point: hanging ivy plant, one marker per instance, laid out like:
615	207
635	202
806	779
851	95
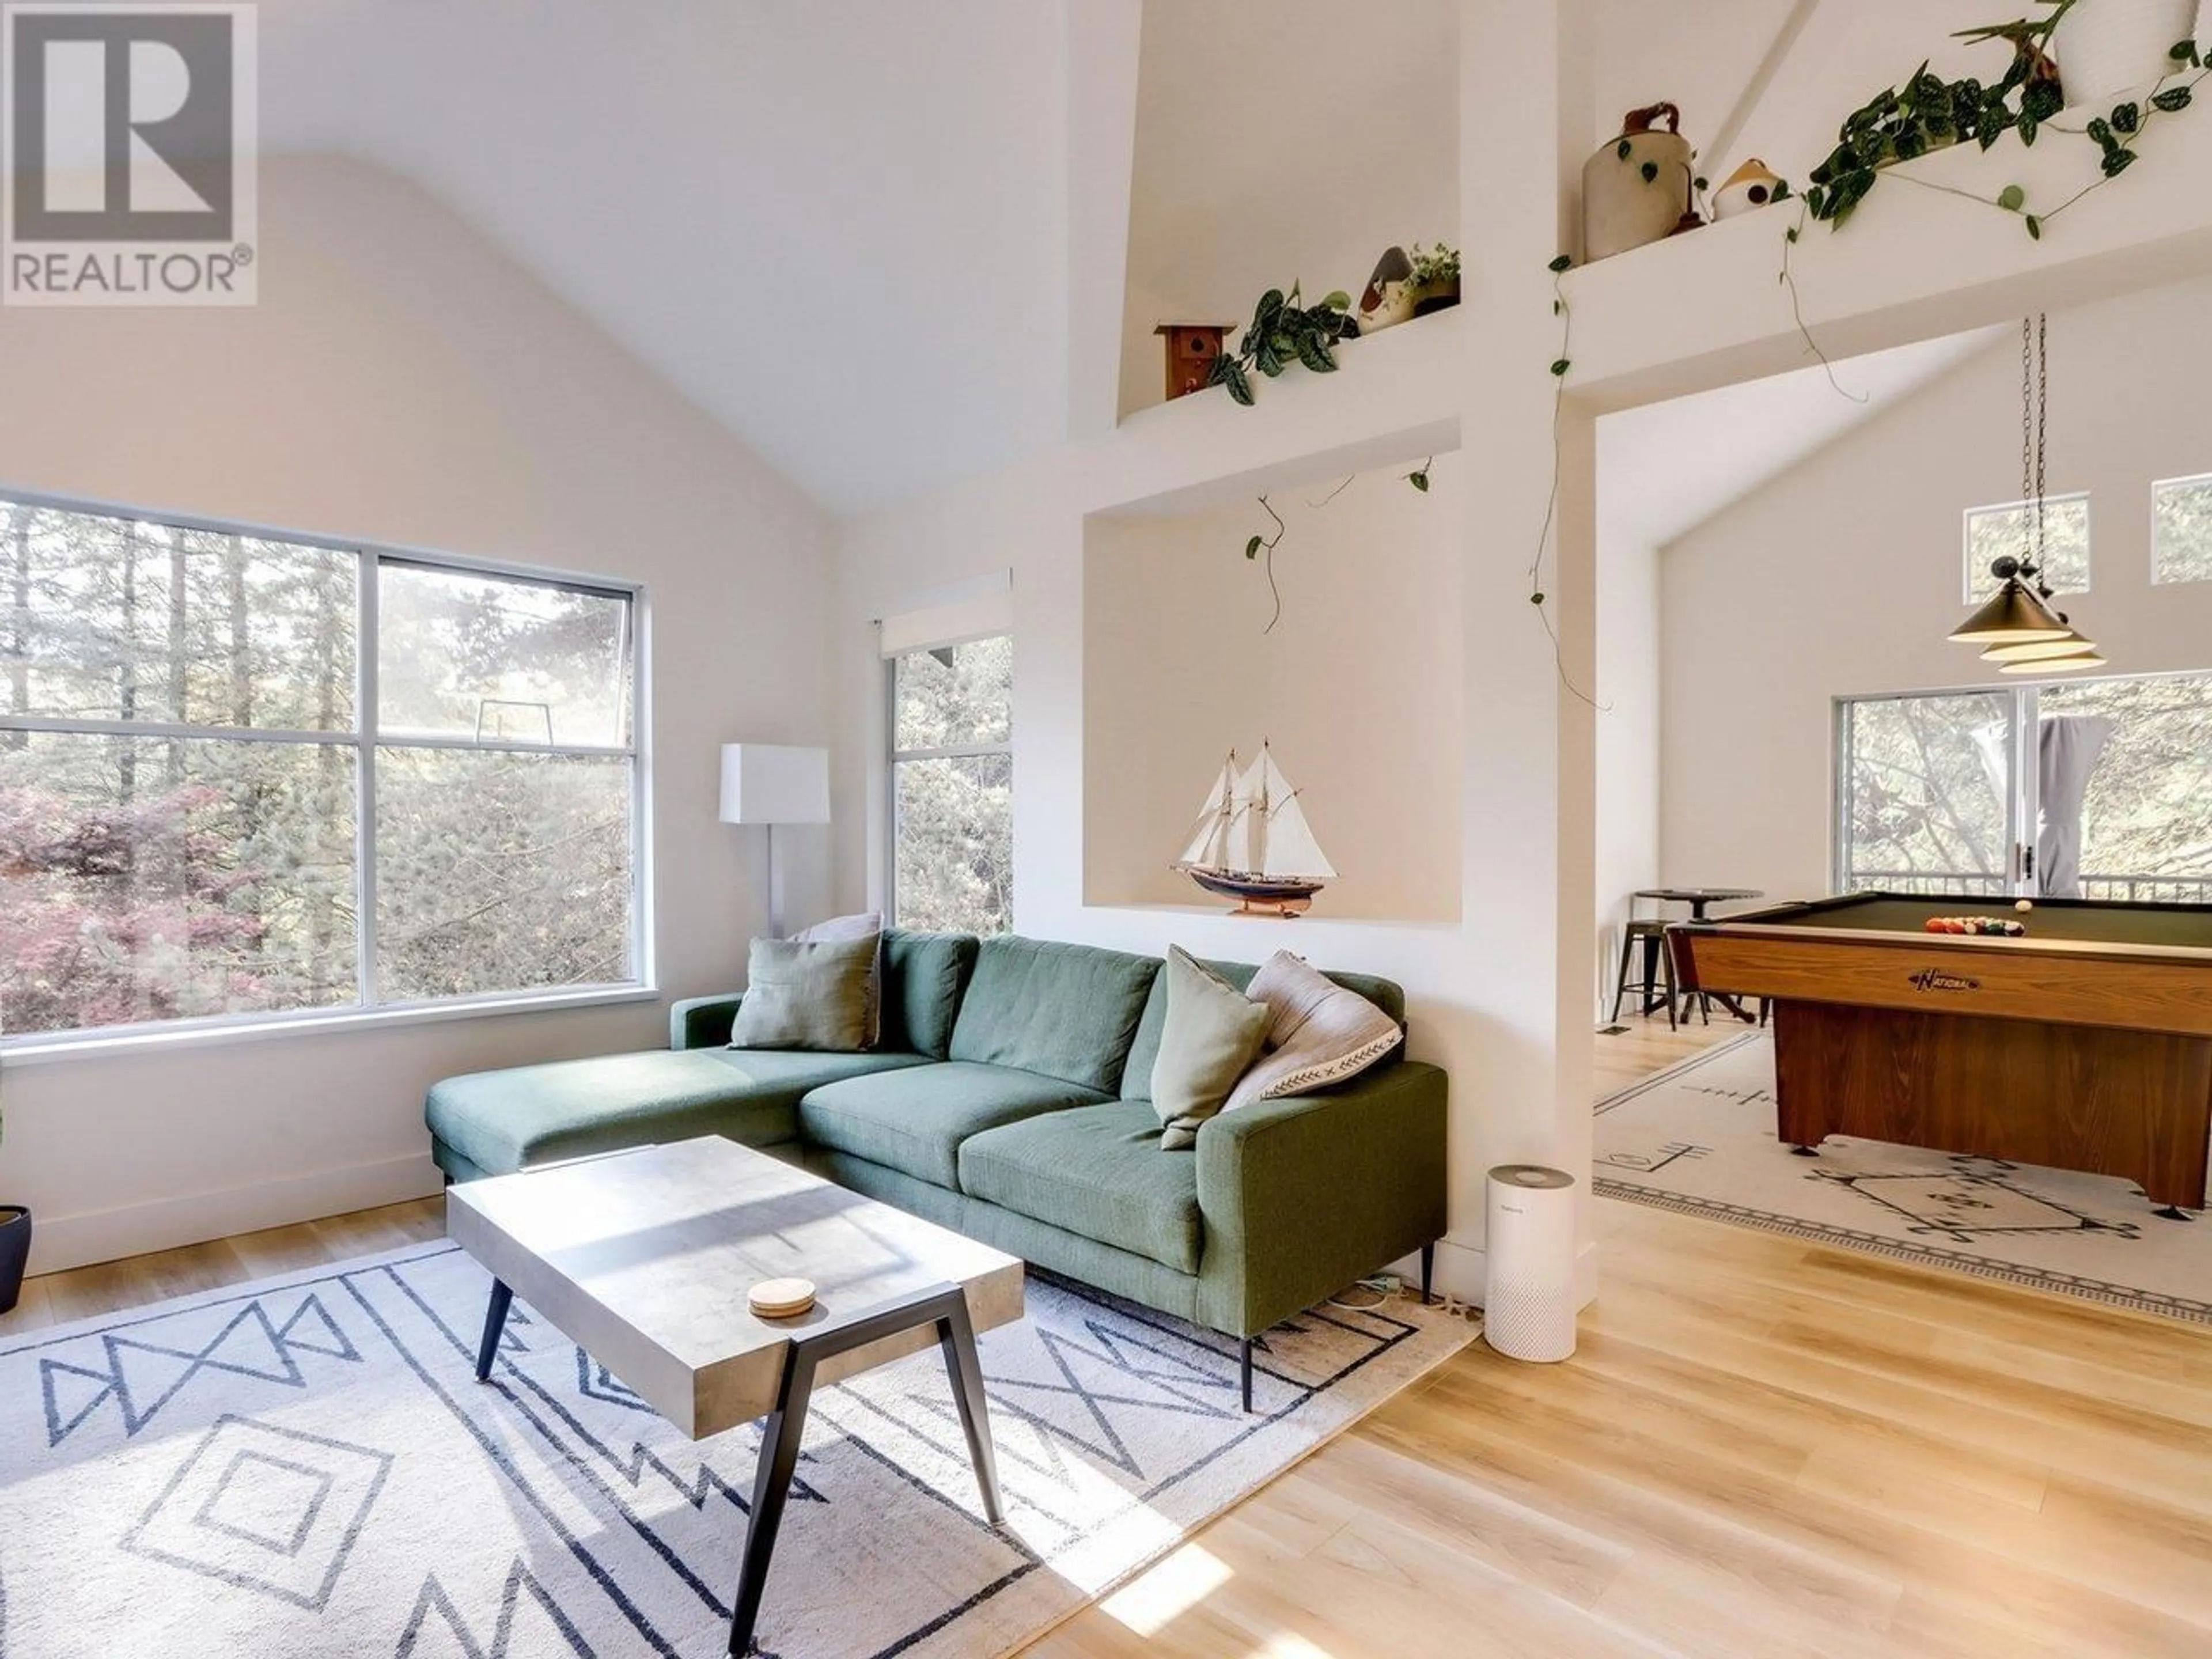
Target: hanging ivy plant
1284	332
1928	113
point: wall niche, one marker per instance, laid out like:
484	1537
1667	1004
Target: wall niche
1357	686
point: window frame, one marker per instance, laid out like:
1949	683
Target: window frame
2156	485
895	757
1970	572
364	739
2021	802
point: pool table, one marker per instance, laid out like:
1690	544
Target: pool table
2085	1045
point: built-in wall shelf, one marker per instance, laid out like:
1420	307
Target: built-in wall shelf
1395	394
1915	260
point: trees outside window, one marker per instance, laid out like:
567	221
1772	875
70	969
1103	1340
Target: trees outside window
2181	530
951	787
215	804
2008	530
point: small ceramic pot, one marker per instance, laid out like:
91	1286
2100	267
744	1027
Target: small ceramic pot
1751	185
2106	49
1435	296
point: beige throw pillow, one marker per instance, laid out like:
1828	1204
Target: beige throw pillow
1318	1033
1211	1033
805	995
865	924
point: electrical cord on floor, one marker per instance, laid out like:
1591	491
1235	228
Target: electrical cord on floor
1387	1288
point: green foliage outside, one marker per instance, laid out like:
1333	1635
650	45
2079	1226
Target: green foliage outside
170	876
952	813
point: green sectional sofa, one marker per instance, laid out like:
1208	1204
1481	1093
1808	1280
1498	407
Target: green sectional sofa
1007	1099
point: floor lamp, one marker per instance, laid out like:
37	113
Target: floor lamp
773	784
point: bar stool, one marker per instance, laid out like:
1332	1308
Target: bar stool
1646	935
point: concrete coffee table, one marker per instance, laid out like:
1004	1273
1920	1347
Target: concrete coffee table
643	1259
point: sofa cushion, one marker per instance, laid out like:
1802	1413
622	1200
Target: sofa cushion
1066	1011
1213	1031
1095	1170
923	976
914	1121
498	1121
818	994
1144	1048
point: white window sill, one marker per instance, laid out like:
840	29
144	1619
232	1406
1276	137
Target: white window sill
49	1048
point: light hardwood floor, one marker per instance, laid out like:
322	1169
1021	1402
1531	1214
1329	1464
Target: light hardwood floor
1762	1448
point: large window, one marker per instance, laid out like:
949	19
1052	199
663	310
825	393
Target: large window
241	775
2081	788
952	786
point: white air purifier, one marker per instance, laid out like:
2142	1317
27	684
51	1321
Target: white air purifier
1528	1306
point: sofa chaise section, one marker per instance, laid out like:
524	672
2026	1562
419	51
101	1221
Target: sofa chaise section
495	1122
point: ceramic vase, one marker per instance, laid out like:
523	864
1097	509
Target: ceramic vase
2106	49
1637	188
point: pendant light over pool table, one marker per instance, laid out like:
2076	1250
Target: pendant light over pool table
2023	633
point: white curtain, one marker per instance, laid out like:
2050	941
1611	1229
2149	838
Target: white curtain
2068	748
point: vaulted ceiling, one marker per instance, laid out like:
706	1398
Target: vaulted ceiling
841	227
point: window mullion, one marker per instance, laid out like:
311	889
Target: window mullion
365	725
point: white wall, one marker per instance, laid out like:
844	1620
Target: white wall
402	383
1357	687
1249	174
1628	718
1843	576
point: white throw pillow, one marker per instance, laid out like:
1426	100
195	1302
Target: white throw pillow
1318	1033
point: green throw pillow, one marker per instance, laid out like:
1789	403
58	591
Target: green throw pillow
809	994
1213	1032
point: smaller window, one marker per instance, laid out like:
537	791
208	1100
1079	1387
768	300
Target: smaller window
2181	530
952	779
2007	530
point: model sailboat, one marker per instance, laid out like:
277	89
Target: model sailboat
1251	843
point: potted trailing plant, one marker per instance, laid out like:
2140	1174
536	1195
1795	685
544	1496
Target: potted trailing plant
1284	332
1436	278
2108	48
15	1248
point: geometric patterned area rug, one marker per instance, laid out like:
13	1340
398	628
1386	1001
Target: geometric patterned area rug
1699	1138
306	1466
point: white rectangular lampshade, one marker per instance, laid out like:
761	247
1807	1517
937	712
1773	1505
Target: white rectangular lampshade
775	783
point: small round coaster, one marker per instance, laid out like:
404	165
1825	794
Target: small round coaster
780	1298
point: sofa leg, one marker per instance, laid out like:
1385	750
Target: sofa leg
1244	1370
1428	1268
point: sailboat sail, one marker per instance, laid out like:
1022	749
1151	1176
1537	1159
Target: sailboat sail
1252	826
1209	843
1291	851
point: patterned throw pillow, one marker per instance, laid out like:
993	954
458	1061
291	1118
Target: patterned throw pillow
1318	1033
1211	1033
808	995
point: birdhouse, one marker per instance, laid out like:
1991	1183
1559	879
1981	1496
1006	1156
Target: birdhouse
1191	349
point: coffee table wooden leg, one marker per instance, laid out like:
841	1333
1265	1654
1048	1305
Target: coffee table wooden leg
502	1298
955	1335
780	1432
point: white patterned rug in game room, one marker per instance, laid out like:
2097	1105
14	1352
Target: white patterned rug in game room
307	1467
1699	1138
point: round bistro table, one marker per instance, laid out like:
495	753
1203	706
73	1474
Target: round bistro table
1700	901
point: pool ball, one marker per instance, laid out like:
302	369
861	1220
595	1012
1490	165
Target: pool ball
2025	904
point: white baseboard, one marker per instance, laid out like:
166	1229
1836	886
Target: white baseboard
1462	1270
75	1241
